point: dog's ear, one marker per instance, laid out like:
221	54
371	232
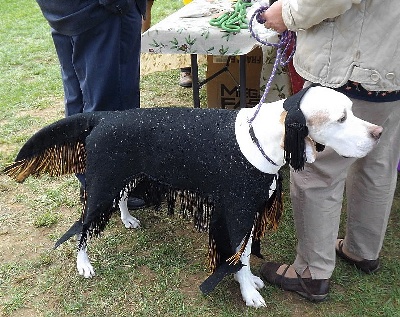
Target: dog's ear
295	143
311	147
295	131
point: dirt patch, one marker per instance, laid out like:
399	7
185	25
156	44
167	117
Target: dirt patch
22	242
19	238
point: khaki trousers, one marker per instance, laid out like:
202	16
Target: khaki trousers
369	183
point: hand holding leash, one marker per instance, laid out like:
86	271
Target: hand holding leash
273	18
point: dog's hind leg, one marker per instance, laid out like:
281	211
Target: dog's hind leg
83	264
249	283
128	220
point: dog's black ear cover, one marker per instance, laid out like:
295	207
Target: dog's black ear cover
295	131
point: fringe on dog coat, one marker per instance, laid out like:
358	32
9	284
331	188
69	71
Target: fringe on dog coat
189	156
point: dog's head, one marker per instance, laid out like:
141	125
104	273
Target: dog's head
321	115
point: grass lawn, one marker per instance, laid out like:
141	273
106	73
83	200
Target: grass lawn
154	271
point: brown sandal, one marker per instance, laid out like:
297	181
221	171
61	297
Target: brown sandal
367	266
313	290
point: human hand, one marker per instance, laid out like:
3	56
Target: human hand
273	17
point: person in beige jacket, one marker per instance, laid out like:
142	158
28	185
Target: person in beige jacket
351	46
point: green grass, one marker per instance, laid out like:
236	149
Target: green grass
154	271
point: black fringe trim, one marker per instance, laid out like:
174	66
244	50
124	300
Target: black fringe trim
193	206
190	204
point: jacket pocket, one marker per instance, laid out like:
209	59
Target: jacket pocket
119	7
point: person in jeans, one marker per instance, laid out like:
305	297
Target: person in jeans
98	47
350	46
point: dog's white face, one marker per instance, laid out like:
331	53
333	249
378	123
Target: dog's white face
331	122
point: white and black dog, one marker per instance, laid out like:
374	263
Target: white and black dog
220	166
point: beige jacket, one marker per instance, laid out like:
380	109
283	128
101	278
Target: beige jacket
341	40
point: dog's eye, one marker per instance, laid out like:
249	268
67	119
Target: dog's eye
343	118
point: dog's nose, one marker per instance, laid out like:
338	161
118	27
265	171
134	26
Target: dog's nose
376	132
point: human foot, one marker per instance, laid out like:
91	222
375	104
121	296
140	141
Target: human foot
367	266
279	274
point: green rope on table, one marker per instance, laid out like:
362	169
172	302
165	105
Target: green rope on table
233	21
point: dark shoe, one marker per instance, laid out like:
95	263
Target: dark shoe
185	78
82	195
135	203
313	290
367	266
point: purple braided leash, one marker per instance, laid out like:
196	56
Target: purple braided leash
287	38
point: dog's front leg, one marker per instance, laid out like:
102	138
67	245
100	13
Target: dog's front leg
128	220
249	283
83	264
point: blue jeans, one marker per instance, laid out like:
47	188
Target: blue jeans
100	67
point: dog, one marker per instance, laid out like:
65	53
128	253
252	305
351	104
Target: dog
220	166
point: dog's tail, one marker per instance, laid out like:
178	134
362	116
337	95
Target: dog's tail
56	150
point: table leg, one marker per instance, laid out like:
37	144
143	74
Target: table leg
242	80
195	80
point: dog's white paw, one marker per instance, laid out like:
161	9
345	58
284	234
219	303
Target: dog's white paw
257	282
249	286
253	298
130	222
83	264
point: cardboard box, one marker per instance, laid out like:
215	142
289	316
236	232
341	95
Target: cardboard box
223	90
